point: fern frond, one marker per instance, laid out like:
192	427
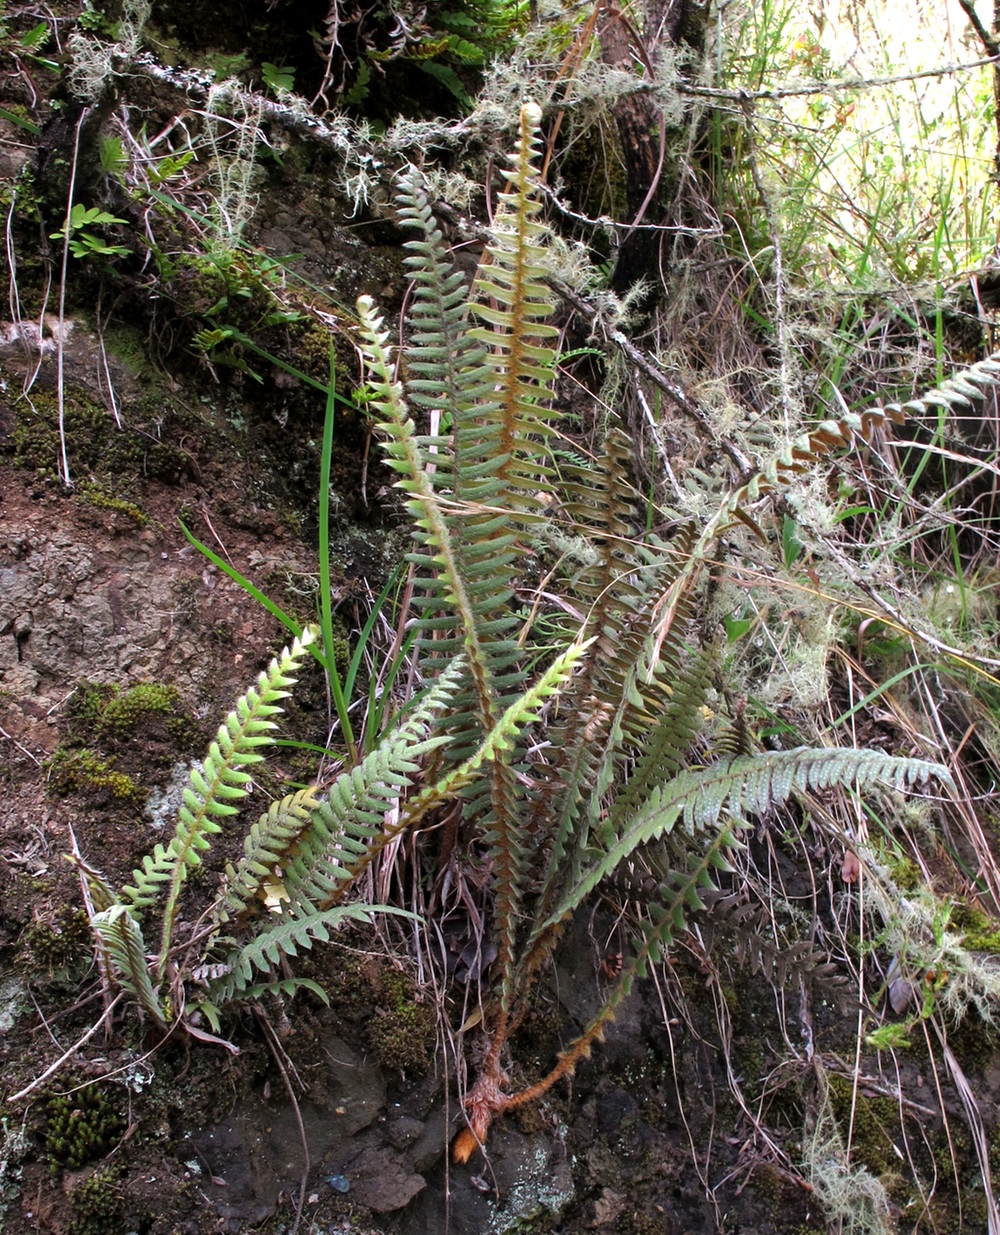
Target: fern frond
265	846
346	829
286	936
441	352
667	743
422	504
121	937
736	788
308	850
215	788
509	295
962	389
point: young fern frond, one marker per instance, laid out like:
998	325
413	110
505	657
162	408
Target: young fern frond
519	715
214	790
348	825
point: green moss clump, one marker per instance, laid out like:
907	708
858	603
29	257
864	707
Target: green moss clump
97	1205
82	1126
905	872
124	712
980	932
876	1121
82	771
94	495
144	727
94	443
401	1032
60	941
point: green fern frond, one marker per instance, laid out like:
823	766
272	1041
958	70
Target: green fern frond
735	788
266	844
285	936
348	827
511	298
404	457
308	850
215	788
122	939
441	352
667	746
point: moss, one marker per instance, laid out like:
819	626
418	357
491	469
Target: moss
905	873
401	1032
94	495
980	932
125	712
82	1125
60	941
142	728
94	442
83	771
876	1123
97	1205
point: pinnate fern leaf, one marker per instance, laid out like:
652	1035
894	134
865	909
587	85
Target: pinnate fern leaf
286	936
121	936
735	788
215	788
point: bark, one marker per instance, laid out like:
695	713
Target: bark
641	131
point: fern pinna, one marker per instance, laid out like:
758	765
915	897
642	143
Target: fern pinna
610	779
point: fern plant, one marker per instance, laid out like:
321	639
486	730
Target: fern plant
612	777
299	861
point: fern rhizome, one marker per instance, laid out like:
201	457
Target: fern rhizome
559	740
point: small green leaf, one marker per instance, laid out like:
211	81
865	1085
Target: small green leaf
279	79
736	628
892	1037
791	547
